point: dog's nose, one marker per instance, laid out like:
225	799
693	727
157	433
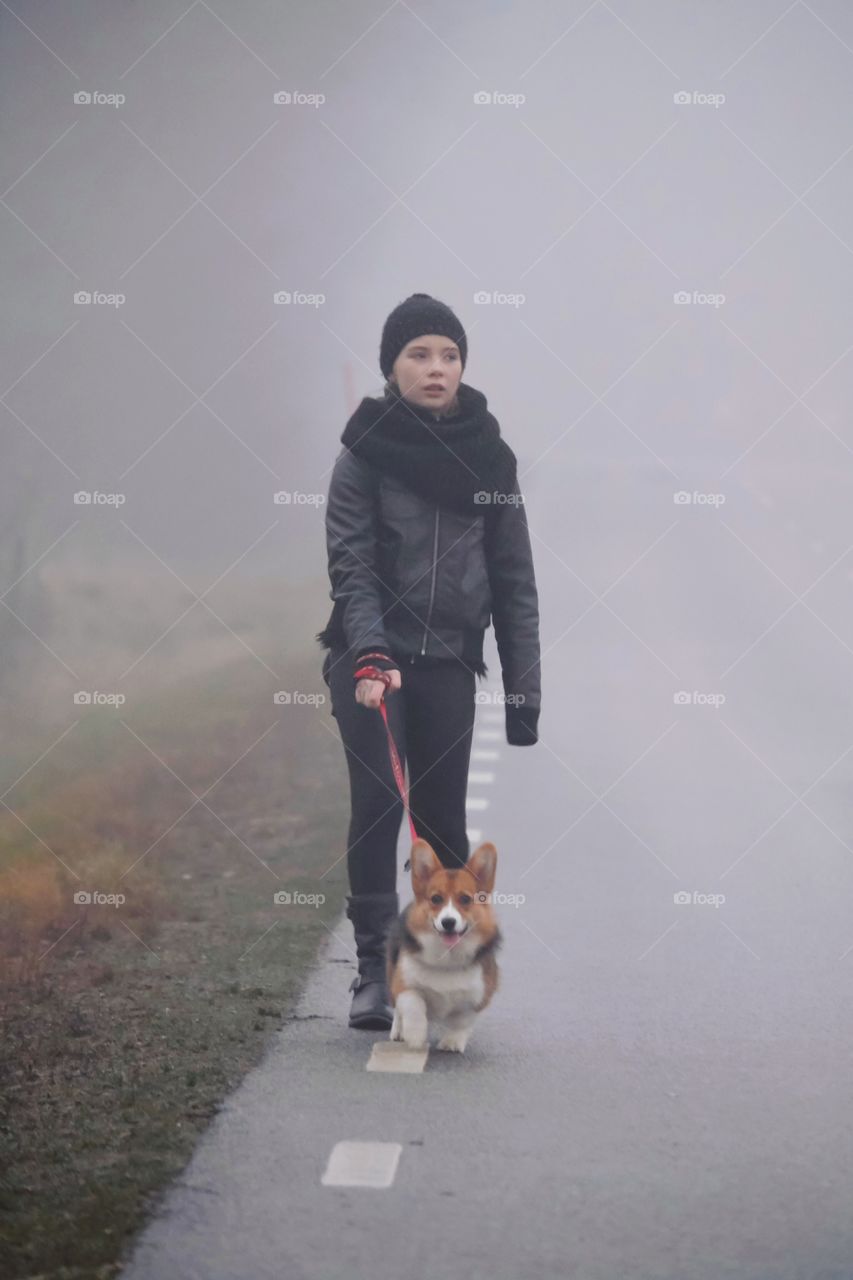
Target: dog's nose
448	923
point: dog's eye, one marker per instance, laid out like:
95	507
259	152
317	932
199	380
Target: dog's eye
436	899
465	898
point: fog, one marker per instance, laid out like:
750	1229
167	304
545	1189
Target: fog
640	212
580	200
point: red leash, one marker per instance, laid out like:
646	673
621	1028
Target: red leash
374	673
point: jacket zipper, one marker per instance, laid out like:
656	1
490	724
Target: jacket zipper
432	583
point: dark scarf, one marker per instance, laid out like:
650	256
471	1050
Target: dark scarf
446	460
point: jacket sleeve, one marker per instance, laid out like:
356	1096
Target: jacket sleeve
351	535
515	613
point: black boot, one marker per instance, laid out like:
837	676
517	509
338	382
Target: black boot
372	915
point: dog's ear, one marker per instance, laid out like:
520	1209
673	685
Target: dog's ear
424	861
482	865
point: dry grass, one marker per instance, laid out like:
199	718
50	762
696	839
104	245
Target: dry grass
126	1024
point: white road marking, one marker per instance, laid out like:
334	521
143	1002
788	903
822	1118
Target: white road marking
475	834
493	755
362	1164
489	735
393	1055
482	776
476	802
492	716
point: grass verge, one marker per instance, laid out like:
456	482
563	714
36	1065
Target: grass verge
125	1024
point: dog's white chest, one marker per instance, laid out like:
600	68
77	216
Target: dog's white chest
444	990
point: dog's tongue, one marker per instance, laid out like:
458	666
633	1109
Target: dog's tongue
450	939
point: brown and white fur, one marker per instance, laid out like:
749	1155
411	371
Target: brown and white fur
440	953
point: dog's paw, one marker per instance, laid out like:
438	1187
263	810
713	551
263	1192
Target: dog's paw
453	1041
414	1041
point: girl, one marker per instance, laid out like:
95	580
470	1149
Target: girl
427	541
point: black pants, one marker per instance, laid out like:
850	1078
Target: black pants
432	719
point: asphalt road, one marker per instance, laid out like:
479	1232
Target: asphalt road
661	1090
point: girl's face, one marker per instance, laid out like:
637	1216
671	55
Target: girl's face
428	370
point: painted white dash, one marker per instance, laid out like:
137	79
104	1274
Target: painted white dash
476	802
491	715
393	1055
480	776
489	735
490	755
362	1164
475	834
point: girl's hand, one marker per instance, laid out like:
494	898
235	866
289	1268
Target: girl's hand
369	692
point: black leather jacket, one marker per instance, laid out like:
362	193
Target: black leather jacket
409	577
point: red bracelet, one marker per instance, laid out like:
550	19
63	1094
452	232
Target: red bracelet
368	671
373	673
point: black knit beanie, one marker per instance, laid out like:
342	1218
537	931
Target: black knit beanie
419	314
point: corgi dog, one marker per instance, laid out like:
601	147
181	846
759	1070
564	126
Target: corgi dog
440	950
